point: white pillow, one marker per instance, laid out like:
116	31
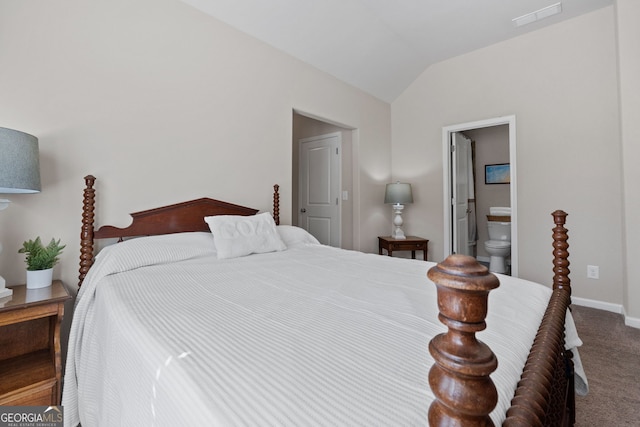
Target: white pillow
293	236
236	235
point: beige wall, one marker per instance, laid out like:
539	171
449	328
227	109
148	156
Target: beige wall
162	104
561	84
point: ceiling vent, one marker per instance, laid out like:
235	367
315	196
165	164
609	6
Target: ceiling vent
545	12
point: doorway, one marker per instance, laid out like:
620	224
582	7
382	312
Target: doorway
453	208
305	126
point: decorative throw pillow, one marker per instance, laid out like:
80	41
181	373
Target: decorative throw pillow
236	235
293	236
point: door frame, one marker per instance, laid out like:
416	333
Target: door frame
448	181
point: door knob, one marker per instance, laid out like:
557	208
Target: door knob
303	210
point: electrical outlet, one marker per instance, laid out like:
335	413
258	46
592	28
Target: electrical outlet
593	272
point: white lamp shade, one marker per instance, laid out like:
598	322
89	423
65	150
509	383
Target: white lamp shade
19	162
398	193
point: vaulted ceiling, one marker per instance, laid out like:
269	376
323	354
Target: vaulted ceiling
381	46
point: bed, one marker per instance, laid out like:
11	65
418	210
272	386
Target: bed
181	327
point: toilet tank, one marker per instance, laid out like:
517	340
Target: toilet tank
499	230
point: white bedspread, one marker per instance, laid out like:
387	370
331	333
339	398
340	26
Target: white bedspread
165	334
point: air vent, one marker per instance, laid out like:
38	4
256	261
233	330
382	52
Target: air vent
545	12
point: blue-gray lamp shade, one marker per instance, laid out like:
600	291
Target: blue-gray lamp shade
19	162
398	193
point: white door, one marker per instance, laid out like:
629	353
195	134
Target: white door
460	152
319	184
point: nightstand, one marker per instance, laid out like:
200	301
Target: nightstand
411	243
30	361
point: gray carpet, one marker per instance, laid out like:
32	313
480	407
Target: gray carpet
611	358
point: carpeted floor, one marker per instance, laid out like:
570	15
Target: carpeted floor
611	358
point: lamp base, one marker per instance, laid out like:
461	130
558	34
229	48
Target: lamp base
397	232
4	292
398	235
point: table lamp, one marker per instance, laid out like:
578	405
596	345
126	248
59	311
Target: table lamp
398	194
19	172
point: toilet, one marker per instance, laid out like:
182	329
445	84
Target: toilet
499	244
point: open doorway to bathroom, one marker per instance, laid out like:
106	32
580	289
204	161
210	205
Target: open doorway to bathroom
482	143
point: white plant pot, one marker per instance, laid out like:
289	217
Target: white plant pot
37	279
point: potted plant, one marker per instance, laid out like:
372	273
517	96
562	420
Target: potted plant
40	261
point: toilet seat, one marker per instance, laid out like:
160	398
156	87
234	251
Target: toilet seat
497	244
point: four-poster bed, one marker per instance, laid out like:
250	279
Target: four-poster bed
461	389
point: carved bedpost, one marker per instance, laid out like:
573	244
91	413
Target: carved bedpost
276	204
459	378
544	396
560	254
86	233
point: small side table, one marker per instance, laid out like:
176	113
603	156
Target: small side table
411	243
30	363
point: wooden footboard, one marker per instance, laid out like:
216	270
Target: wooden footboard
545	393
460	378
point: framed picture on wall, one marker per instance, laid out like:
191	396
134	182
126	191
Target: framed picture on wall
497	174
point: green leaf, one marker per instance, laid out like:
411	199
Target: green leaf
39	257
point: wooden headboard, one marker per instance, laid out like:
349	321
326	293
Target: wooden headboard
177	218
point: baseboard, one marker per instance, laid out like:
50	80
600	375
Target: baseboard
601	305
634	322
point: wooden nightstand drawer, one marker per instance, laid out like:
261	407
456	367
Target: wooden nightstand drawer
38	394
30	360
411	243
398	246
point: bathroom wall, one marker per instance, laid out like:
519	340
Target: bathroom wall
491	147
